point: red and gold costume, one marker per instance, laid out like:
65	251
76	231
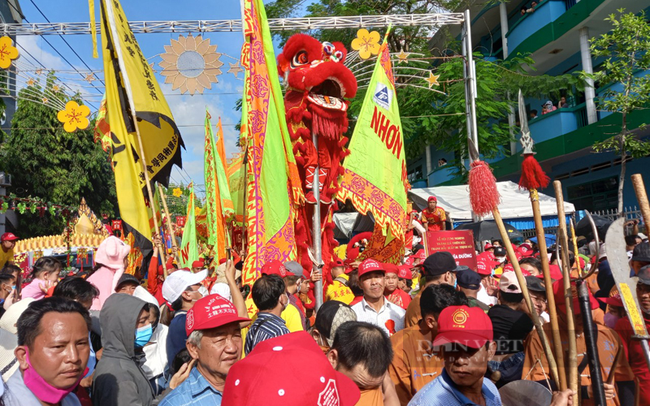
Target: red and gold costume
435	219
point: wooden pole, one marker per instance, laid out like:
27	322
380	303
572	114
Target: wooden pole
170	229
548	284
642	198
566	268
524	289
575	248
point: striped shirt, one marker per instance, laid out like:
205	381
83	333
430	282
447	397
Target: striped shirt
267	325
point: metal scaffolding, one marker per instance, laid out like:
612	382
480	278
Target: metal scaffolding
275	24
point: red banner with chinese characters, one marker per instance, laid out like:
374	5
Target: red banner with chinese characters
180	221
460	243
116	224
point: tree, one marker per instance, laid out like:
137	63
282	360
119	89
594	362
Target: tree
56	166
177	202
626	50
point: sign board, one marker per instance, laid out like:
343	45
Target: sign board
459	243
116	224
180	221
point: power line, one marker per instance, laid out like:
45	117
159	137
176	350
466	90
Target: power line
67	43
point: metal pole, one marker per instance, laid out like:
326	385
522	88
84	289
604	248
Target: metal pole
471	79
316	240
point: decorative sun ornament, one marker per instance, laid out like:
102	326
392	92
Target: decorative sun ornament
191	64
74	116
7	52
367	43
432	80
177	192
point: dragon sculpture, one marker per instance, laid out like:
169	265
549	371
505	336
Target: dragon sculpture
317	86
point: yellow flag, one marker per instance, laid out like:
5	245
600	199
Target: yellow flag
132	87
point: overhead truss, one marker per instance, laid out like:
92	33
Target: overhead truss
275	24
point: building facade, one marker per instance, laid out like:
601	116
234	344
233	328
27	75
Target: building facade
556	35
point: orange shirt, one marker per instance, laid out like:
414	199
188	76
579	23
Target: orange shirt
608	344
415	363
413	315
400	298
435	219
371	397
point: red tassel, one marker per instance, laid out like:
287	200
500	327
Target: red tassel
483	193
532	175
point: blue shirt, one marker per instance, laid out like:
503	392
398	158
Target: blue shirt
196	390
267	325
442	392
176	336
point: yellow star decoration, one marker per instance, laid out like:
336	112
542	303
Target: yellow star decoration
74	116
31	82
56	88
402	56
7	52
235	69
367	43
432	80
89	78
177	192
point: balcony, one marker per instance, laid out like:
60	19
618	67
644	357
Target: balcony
557	123
545	13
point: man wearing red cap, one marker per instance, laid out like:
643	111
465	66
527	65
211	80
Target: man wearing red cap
465	334
197	266
214	342
374	308
7	244
608	344
434	216
338	289
392	292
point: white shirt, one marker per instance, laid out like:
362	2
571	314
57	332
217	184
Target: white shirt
156	352
388	311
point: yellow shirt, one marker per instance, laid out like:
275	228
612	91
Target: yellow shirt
6	256
339	291
290	315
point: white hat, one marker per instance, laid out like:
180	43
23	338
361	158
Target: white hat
10	318
8	362
178	281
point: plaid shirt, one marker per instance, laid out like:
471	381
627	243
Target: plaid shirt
266	326
196	390
442	392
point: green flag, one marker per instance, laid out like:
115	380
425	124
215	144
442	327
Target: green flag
375	171
189	248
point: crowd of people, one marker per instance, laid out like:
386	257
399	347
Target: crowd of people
424	332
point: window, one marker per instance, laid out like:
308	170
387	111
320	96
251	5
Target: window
600	194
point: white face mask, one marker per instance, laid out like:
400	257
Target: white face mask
203	291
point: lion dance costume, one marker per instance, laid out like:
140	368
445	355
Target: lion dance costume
317	84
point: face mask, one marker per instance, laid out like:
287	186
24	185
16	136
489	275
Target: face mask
13	287
143	335
203	291
43	390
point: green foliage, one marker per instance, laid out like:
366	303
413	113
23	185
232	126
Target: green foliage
626	49
178	205
57	166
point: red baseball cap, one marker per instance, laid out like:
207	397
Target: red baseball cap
391	268
405	272
556	273
560	301
487	246
8	237
337	262
432	199
613	300
525	250
370	265
222	261
409	261
482	267
197	264
469	326
274	373
274	267
210	312
420	255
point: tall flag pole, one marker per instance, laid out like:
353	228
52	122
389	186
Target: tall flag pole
146	142
374	177
189	248
273	186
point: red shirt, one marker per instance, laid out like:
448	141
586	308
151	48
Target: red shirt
435	219
400	298
635	356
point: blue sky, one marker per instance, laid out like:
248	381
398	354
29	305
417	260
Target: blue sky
189	111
